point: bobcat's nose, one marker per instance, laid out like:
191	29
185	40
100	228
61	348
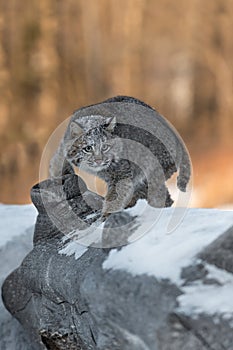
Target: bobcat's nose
98	160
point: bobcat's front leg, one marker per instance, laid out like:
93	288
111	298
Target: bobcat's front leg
118	196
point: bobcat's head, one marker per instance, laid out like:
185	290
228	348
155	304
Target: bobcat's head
92	146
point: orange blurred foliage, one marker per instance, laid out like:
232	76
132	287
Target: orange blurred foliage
56	56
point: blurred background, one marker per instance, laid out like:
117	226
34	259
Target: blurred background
56	56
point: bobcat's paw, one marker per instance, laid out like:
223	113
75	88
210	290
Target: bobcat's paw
111	207
161	202
105	215
169	201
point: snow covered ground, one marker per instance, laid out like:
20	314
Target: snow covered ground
211	299
14	220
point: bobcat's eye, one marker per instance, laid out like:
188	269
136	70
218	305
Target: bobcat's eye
87	149
105	148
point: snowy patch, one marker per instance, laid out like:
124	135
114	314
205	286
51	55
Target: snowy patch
73	248
210	299
80	240
14	220
164	255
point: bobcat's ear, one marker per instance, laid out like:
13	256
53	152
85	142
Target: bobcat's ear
110	124
75	129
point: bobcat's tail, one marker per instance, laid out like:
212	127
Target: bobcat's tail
185	169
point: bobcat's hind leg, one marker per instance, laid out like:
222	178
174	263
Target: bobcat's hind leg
160	197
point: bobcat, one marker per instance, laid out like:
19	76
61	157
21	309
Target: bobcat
130	146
